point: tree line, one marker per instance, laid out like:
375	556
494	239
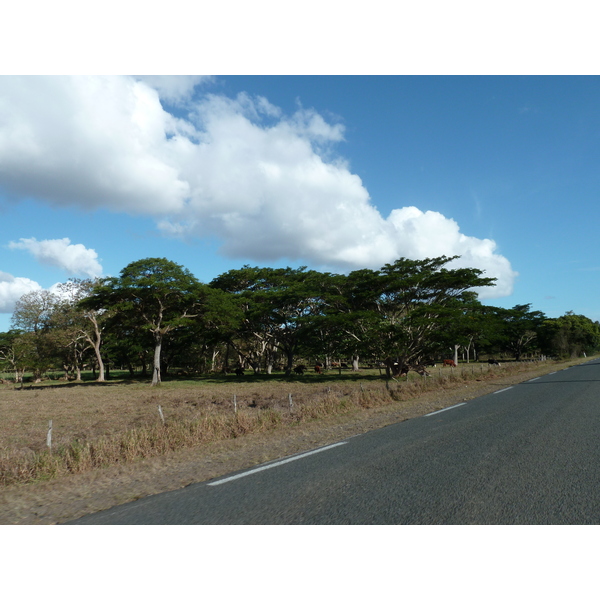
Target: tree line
157	318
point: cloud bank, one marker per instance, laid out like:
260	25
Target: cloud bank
75	259
12	288
268	185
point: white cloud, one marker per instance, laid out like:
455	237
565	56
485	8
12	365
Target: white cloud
270	186
174	89
90	142
75	259
12	288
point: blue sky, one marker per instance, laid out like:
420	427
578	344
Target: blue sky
221	171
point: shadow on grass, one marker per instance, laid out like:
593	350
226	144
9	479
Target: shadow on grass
248	379
120	378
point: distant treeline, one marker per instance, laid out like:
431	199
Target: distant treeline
157	318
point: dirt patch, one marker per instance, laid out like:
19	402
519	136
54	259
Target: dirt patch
76	495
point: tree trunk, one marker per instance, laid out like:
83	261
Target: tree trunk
290	361
213	361
95	342
99	361
269	360
156	370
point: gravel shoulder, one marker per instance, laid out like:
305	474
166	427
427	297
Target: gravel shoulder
67	498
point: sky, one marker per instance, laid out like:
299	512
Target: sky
333	172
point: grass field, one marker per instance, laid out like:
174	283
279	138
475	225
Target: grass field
101	424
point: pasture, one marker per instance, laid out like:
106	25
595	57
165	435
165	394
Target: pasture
94	425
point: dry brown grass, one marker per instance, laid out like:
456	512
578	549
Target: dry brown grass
101	425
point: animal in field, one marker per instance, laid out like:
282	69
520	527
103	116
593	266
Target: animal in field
318	369
493	361
402	371
300	369
448	362
239	371
421	370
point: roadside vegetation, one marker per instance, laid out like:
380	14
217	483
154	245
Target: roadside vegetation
96	426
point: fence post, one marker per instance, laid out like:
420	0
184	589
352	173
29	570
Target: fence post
160	412
290	400
234	404
49	436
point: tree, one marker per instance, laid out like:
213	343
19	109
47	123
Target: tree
86	324
347	324
197	344
40	342
471	327
157	293
11	353
278	306
520	328
569	335
416	302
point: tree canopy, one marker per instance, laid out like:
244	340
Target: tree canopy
155	293
157	315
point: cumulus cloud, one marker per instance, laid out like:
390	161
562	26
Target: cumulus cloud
269	185
90	142
174	89
75	259
12	288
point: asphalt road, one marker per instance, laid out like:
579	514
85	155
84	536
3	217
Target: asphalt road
528	454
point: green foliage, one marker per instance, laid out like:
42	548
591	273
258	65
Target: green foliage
157	313
154	294
278	307
520	326
570	335
404	312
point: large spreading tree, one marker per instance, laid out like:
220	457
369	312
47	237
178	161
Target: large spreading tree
416	303
278	307
158	294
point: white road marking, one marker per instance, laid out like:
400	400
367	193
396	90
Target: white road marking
534	379
504	390
276	464
443	409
